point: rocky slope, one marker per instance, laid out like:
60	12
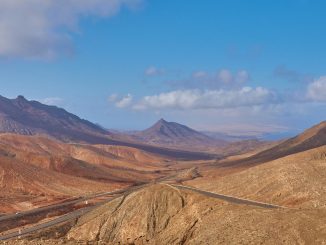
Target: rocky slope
31	117
161	214
34	166
297	180
309	139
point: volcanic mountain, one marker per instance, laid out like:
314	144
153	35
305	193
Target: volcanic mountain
25	117
172	134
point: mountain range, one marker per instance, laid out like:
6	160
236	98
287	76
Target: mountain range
24	117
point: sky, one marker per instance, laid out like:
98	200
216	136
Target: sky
234	66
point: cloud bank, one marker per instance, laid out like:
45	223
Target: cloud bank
41	28
223	98
201	99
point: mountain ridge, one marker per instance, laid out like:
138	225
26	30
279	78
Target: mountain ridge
311	138
21	116
26	117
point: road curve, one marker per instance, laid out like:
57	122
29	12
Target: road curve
70	216
227	198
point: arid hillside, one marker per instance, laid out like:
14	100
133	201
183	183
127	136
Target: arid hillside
34	149
309	139
22	184
166	215
249	147
34	167
297	180
278	201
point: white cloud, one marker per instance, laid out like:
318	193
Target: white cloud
180	99
154	71
207	99
53	101
121	102
41	28
317	90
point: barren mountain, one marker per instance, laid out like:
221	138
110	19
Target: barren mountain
297	180
31	117
172	134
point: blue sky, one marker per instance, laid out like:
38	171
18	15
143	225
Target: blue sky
227	65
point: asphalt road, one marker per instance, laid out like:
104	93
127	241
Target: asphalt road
67	217
231	199
62	219
56	206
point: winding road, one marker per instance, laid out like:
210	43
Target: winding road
77	213
58	205
230	199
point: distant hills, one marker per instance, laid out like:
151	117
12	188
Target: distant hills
171	139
